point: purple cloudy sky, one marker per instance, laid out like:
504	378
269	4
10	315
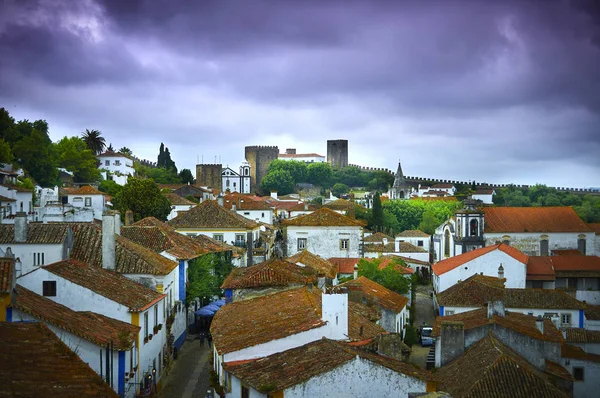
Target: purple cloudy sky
492	91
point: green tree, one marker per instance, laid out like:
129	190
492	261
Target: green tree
388	277
160	175
125	151
377	213
390	223
186	177
94	141
143	198
429	222
35	153
206	275
339	189
319	174
6	155
298	170
110	187
73	155
278	180
411	338
8	130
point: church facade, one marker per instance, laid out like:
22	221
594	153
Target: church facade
236	182
400	189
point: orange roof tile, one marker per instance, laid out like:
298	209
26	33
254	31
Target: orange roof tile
595	227
106	283
274	272
567	252
533	219
85	190
378	237
317	263
413	233
592	312
244	202
574	352
451	263
304	206
345	265
580	335
376	293
37	233
177	200
57	371
96	328
413	260
323	217
285	369
6	274
209	215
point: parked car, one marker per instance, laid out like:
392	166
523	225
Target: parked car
425	336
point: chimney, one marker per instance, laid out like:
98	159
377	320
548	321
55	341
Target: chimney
496	308
452	341
233	207
117	223
128	218
501	271
305	206
274	194
220	200
249	247
334	311
21	227
539	324
321	281
108	241
385	241
355	271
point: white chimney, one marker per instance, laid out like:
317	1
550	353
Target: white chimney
385	241
117	223
274	194
334	311
108	241
539	324
220	200
355	271
233	207
21	227
501	272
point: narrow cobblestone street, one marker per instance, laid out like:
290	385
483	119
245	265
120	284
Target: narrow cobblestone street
189	376
424	313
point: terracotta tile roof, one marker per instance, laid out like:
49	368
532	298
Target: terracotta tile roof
6	274
177	200
58	371
361	321
556	369
209	214
563	265
567	252
574	352
130	257
579	335
540	298
413	260
432	199
244	202
376	293
5	199
49	234
379	248
300	155
520	323
475	291
159	236
453	262
85	190
319	264
340	204
533	219
491	369
407	247
539	268
211	245
413	233
114	154
592	312
107	284
301	207
274	272
93	327
378	237
285	369
247	323
281	205
442	186
484	192
595	227
323	217
394	261
344	265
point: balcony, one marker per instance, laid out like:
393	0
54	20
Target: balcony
239	244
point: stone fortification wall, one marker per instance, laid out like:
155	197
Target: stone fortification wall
259	157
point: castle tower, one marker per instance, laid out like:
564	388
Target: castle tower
337	153
209	175
400	189
259	158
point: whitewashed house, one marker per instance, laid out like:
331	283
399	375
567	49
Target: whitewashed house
485	195
415	237
323	232
178	204
212	220
585	368
498	260
15	199
116	166
87	199
302	208
254	210
290	154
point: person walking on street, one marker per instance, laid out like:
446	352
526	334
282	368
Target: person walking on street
209	339
201	339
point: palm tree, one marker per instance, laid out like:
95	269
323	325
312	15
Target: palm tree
126	151
94	141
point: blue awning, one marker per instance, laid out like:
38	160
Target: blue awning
209	310
205	312
220	303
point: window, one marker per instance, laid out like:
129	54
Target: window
578	373
581	244
234	185
449	312
117	162
420	243
38	259
344	244
218	237
544	246
107	162
227	183
88	202
156	314
447	243
146	324
263	215
49	288
240	239
246	213
301	243
245	392
565	319
246	171
474	228
537	284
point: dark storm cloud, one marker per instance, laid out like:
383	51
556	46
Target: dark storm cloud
510	83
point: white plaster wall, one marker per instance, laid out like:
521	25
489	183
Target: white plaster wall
175	209
514	271
357	378
416	256
592	324
415	241
52	254
589	387
536	311
324	241
589	296
228	235
597	245
590	348
236	390
97	203
529	242
125	166
265	216
307	159
486	199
